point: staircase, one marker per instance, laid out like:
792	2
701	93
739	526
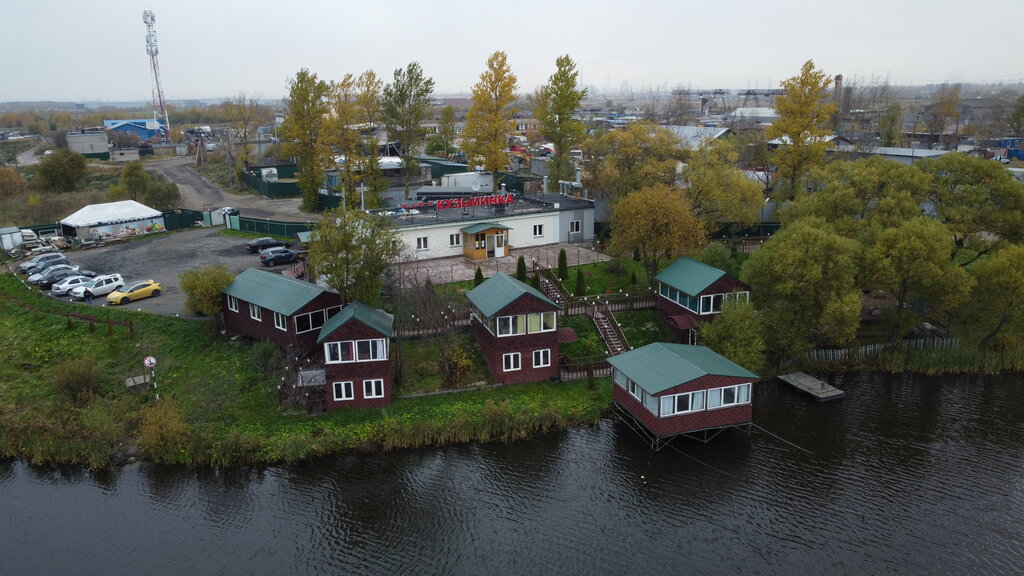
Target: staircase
609	331
550	289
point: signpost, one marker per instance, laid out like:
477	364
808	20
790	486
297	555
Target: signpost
150	362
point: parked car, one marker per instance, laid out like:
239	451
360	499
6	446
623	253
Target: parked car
48	280
264	243
64	286
42	266
134	291
25	266
279	255
48	272
99	286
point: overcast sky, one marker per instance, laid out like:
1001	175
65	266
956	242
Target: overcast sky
96	51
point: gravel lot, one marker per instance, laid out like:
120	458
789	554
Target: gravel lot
162	258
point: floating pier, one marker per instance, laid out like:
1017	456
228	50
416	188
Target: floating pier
821	390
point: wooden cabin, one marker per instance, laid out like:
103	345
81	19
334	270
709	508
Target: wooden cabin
357	362
690	292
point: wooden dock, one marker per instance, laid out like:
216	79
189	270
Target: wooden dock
821	390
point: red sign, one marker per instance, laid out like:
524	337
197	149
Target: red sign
492	200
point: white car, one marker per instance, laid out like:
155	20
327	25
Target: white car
65	286
99	286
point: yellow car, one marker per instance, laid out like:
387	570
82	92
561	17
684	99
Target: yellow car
134	291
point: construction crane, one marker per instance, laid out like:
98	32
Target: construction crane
159	106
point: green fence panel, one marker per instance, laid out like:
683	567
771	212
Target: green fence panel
271	227
182	218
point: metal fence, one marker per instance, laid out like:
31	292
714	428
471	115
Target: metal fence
268	227
870	350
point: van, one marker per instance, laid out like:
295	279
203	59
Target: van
29	239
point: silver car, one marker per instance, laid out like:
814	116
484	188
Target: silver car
65	286
26	266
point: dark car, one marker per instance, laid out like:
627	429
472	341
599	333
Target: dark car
42	266
264	243
279	255
48	280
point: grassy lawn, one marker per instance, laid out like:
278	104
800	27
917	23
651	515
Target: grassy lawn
609	277
642	327
217	171
589	343
420	363
218	398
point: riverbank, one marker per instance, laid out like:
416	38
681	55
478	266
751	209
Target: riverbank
63	398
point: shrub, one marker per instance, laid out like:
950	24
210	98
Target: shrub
266	358
478	278
521	269
203	288
162	433
62	171
77	378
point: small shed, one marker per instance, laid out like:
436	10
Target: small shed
112	220
10	238
665	390
485	240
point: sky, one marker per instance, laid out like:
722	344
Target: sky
95	52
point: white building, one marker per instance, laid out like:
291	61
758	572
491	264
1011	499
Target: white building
482	227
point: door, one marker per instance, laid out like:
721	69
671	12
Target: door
490	246
499	245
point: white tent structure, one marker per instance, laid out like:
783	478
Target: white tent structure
113	220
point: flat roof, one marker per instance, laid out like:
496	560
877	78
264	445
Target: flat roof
425	214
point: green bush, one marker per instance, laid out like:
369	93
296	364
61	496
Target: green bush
78	379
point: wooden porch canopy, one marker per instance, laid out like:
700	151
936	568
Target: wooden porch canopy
484	240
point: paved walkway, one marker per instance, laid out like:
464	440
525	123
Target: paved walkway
458	269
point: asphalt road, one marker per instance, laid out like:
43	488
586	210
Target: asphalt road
163	258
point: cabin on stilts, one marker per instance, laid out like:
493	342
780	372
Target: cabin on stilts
664	390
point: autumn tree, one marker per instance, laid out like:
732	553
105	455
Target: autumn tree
912	262
1015	120
945	111
61	171
137	184
351	250
621	161
805	111
405	105
736	333
555	105
721	193
444	140
489	120
368	112
996	306
204	288
303	131
655	223
10	182
980	203
342	135
804	282
890	125
244	114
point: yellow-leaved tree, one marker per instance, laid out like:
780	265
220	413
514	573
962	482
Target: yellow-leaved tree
489	120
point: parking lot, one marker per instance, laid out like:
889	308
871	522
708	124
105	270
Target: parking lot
163	258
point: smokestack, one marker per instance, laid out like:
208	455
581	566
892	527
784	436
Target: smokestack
837	97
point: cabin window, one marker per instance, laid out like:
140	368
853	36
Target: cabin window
511	362
255	312
373	388
538	230
711	304
455	240
737	297
280	321
314	320
541	358
682	403
422	243
634	389
574	227
541	322
368	350
343	391
232	303
480	241
512	325
728	396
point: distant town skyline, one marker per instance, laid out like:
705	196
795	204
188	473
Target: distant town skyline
57	50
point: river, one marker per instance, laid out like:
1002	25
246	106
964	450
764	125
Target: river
906	475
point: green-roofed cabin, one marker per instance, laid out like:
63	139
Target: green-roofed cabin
485	240
357	357
266	306
516	327
674	389
690	292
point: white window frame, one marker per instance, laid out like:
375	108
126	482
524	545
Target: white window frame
538	230
740	396
347	389
575	226
514	325
634	389
373	388
545	358
455	240
694	402
255	312
377	348
710	309
232	303
423	243
280	321
511	362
